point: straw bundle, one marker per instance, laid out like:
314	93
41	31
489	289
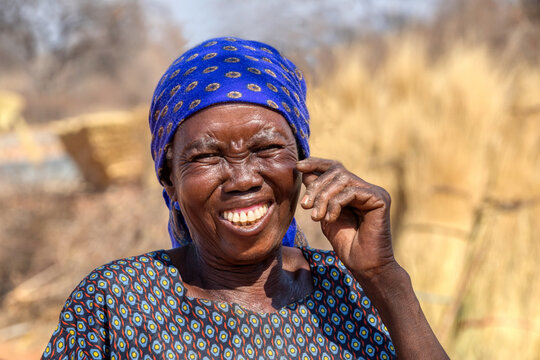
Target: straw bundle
456	142
499	316
106	146
498	309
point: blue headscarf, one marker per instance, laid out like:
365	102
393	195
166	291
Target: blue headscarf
225	70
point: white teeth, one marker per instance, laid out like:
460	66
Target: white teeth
246	218
250	216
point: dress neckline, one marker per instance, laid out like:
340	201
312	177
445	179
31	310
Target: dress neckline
306	252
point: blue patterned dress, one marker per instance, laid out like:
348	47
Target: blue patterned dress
137	308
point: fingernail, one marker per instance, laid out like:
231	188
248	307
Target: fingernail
304	200
314	213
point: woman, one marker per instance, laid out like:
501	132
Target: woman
230	144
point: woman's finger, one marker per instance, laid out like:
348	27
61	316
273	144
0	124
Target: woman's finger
313	188
337	203
325	193
361	198
308	178
318	166
315	165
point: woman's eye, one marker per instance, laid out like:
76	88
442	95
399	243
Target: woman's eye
269	147
206	156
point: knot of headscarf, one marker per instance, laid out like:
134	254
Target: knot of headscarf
225	70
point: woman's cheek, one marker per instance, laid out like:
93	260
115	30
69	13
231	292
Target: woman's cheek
198	180
285	160
286	167
283	173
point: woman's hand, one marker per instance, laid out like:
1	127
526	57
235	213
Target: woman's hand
354	215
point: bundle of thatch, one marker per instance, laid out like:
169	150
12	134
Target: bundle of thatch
107	146
456	141
498	315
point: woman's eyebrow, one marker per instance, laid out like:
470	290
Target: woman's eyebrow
268	134
202	143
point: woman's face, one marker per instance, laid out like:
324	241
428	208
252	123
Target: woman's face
233	173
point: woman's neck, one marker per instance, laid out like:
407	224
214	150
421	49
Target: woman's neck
264	286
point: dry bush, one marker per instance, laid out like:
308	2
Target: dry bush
69	57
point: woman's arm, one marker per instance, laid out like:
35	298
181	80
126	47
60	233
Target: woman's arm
391	292
355	217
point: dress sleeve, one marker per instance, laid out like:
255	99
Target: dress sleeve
83	330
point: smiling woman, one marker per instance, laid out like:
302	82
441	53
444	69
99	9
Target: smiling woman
229	140
235	160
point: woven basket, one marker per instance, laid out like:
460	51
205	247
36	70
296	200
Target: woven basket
107	147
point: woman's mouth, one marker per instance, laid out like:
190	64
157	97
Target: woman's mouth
246	216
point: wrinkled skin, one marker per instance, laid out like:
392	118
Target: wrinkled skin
354	215
235	156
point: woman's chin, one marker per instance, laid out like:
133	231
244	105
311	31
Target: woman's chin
251	242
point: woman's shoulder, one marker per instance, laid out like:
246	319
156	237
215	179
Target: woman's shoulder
335	284
322	257
142	262
139	270
329	272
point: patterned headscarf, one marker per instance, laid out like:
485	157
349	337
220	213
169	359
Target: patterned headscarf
225	70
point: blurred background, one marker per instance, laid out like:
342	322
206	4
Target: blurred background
437	101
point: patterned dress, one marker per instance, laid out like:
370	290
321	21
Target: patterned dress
137	308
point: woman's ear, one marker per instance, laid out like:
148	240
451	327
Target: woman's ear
168	182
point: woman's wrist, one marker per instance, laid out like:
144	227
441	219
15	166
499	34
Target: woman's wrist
391	292
389	288
384	277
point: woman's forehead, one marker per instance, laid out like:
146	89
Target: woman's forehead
230	122
225	70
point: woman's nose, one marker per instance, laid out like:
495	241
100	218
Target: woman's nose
242	177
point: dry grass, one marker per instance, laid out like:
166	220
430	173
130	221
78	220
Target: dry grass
456	141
